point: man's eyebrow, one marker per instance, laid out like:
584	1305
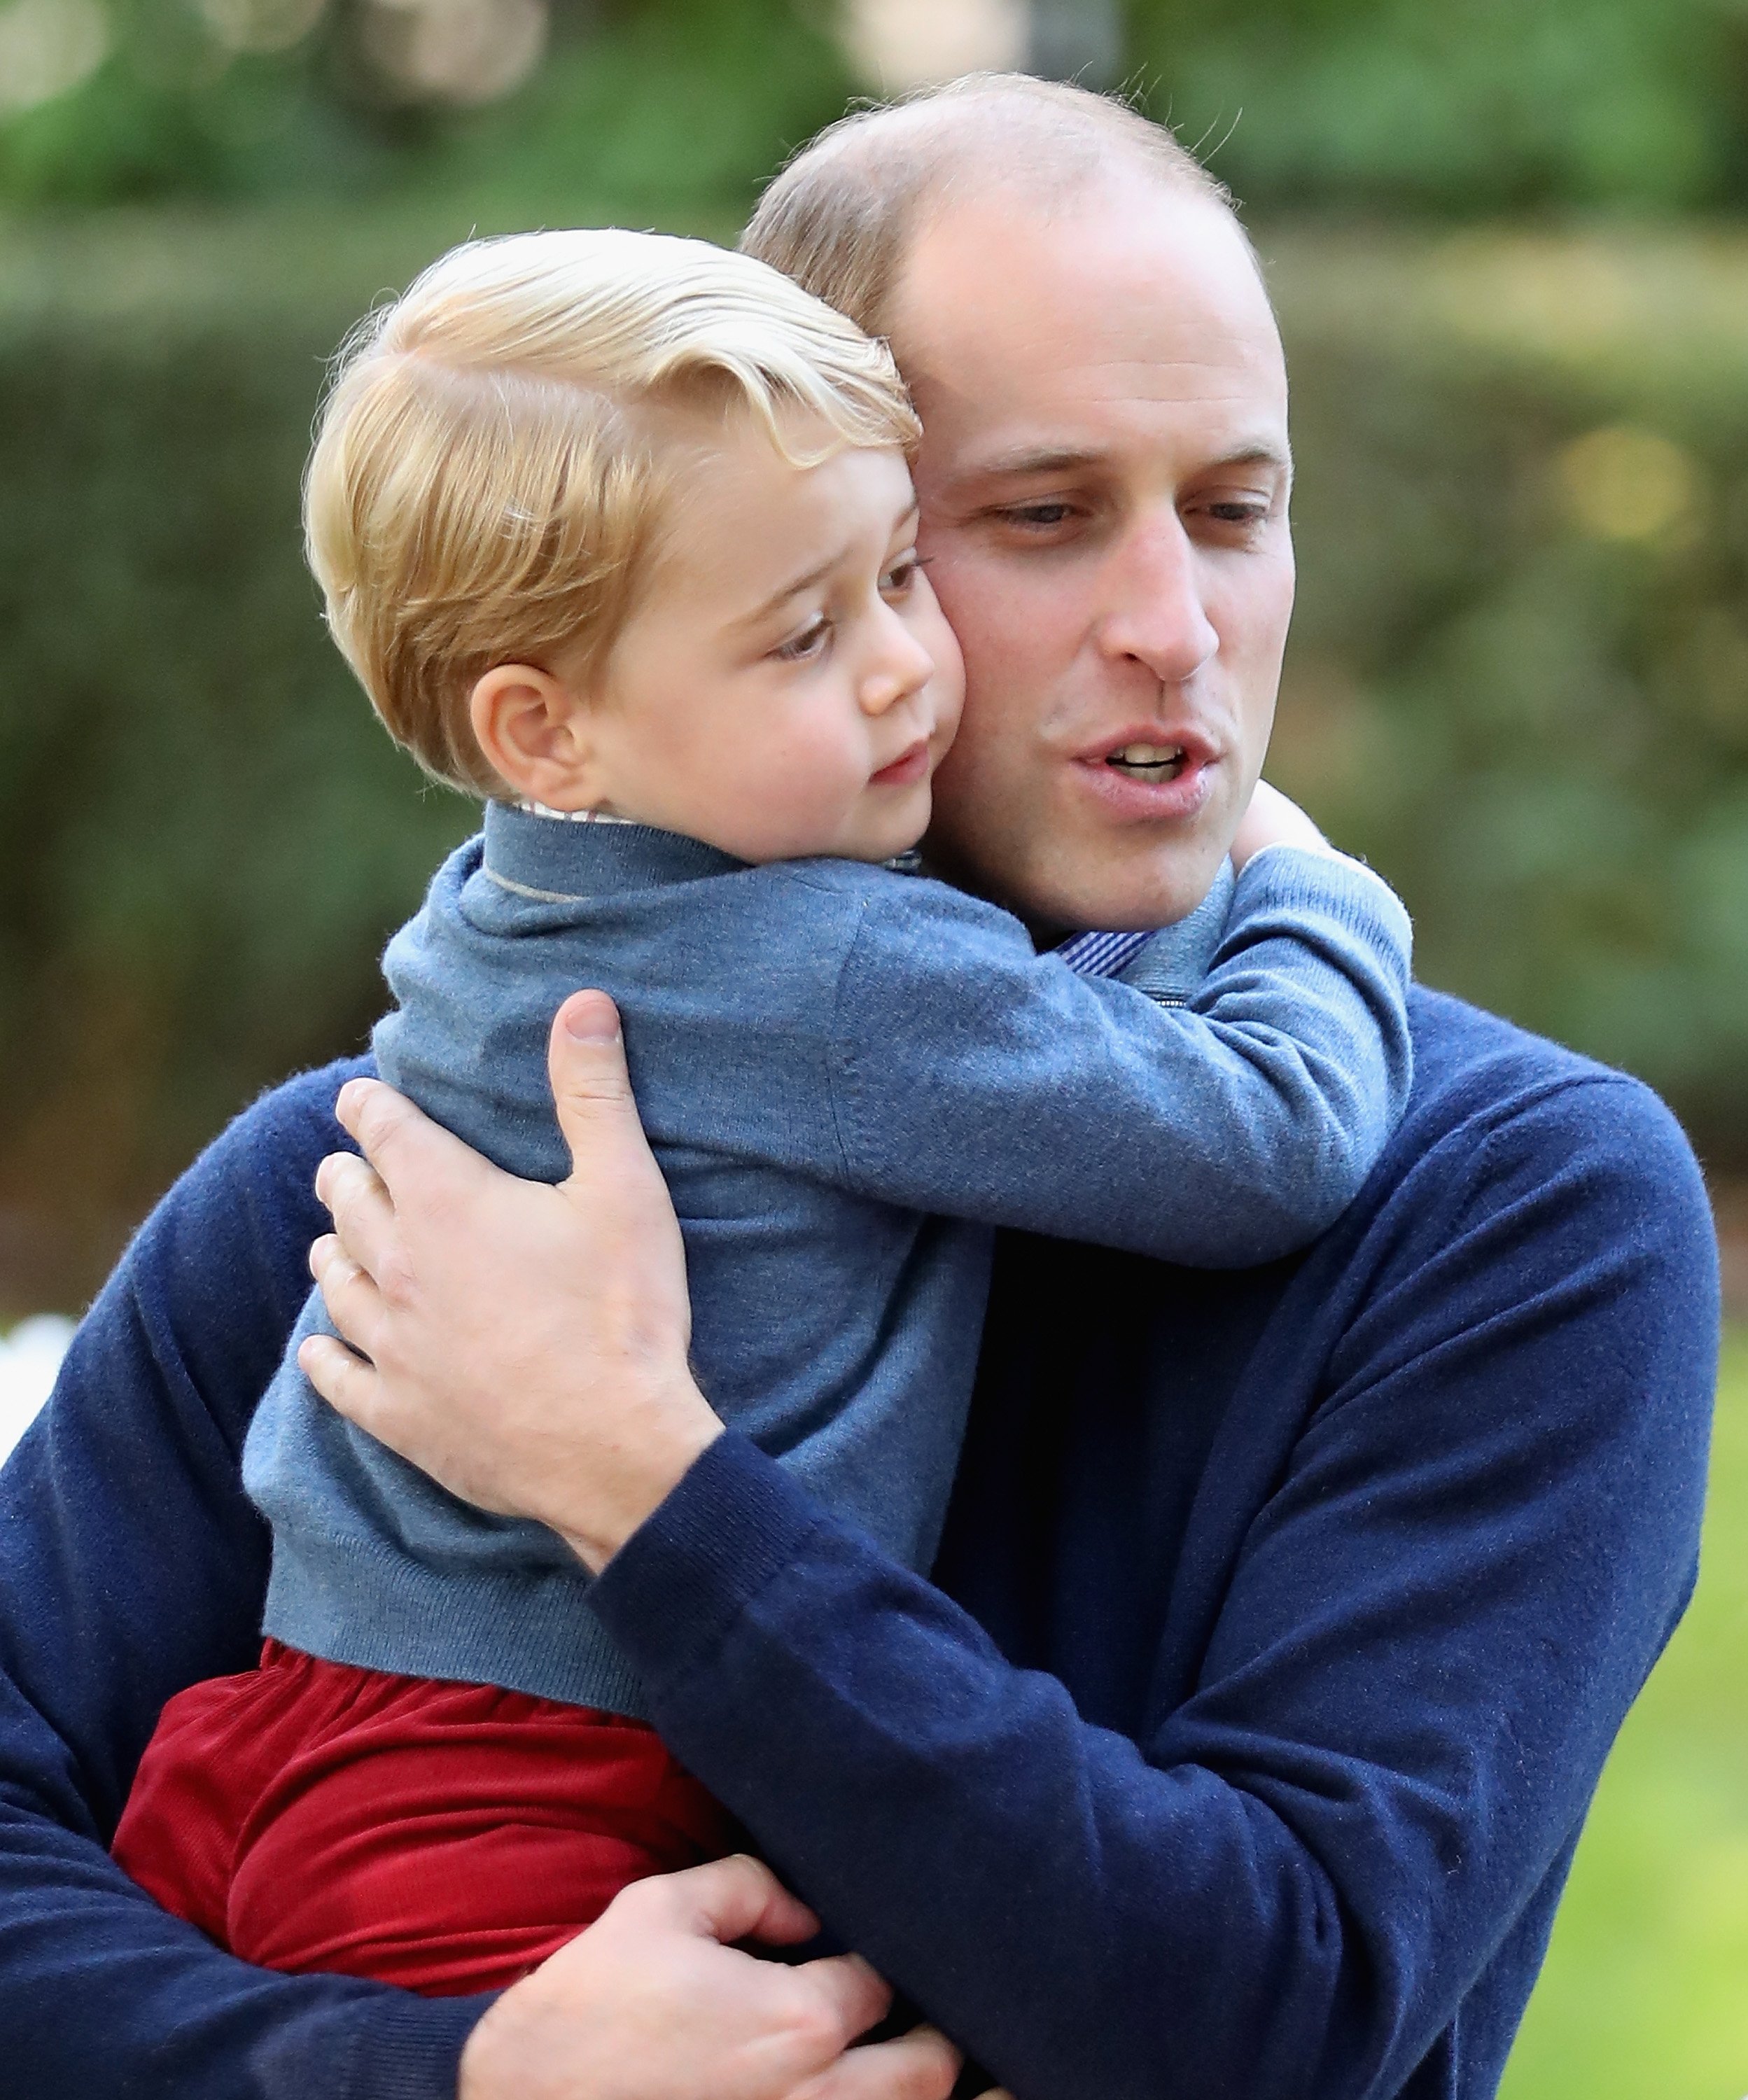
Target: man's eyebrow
817	574
1023	459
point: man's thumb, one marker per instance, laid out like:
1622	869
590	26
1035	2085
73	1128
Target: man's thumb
585	1058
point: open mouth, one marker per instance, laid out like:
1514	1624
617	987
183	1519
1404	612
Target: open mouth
1154	763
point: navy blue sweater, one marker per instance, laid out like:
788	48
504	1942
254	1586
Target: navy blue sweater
1285	1618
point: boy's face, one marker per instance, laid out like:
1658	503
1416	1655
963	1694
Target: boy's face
787	684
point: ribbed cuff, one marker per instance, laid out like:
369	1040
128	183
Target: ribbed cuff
1305	878
410	2048
676	1586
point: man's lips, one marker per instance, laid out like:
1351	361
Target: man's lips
1148	771
912	764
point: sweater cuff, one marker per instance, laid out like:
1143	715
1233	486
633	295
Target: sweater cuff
410	2048
1305	878
676	1586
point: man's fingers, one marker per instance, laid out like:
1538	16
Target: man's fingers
346	1382
354	1302
394	1135
364	1217
736	1898
856	1995
922	2065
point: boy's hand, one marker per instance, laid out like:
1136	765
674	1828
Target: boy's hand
524	1345
1271	820
652	2002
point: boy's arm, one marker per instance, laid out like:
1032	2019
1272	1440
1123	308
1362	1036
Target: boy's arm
973	1077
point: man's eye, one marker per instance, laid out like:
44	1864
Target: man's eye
1036	517
810	641
1242	513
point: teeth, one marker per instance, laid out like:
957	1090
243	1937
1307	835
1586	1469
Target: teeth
1148	754
1153	763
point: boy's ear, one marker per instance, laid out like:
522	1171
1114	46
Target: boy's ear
535	732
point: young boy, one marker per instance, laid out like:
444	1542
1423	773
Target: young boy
617	532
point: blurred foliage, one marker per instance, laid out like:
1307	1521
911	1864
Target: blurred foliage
1465	106
1391	105
1518	681
655	103
1642	1994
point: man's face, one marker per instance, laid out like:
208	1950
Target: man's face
1103	479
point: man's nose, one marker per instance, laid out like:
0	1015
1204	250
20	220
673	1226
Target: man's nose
1154	610
898	666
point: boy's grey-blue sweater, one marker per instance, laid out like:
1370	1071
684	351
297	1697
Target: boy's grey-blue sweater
849	1077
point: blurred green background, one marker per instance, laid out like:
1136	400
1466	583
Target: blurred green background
1509	243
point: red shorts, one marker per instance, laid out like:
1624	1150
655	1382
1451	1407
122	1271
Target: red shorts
447	1837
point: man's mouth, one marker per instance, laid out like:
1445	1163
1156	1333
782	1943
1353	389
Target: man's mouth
1154	763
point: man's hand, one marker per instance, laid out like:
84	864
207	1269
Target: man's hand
524	1345
652	2003
1271	820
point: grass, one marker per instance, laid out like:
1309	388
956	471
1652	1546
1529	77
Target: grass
1645	1993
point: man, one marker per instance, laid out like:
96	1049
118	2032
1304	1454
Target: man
1284	1619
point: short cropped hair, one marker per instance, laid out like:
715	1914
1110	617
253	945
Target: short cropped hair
483	488
840	217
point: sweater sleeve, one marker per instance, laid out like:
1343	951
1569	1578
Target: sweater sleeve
131	1566
973	1077
1369	1772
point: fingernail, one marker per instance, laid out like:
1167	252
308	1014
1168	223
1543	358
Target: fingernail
594	1020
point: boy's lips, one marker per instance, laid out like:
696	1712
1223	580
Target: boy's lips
912	764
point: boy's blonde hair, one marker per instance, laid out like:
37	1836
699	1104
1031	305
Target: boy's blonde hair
482	490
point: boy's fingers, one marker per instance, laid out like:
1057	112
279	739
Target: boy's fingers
921	2065
346	1382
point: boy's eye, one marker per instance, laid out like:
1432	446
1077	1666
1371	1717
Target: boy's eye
901	574
809	642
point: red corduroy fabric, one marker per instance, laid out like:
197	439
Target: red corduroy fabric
447	1837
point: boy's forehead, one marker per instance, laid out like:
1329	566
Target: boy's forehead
746	520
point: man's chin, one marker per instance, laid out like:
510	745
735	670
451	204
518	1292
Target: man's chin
1132	892
1106	884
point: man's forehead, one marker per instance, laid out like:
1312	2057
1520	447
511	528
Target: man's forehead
1126	291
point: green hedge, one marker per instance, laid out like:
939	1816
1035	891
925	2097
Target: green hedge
1519	679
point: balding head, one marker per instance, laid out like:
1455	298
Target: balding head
841	218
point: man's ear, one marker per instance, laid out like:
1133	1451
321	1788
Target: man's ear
535	731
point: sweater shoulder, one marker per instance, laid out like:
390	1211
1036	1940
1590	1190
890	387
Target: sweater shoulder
1474	1071
1505	1123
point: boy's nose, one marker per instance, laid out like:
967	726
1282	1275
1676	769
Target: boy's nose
901	666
